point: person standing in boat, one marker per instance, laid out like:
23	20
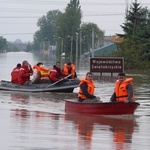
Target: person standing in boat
15	73
24	73
123	91
86	90
69	68
40	74
56	73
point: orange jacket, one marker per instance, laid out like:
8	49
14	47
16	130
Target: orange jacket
44	72
72	70
85	130
119	136
90	88
122	134
121	91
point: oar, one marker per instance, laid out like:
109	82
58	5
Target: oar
59	81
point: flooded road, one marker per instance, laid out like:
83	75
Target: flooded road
37	121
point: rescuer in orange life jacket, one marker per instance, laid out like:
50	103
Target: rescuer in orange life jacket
40	74
123	91
69	68
86	91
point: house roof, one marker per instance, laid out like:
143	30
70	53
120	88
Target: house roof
104	51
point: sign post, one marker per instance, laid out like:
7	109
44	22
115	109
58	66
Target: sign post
107	65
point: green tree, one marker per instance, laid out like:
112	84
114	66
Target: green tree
46	33
38	41
135	48
3	44
68	24
133	20
12	47
29	47
86	38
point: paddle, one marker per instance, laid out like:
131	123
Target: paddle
59	81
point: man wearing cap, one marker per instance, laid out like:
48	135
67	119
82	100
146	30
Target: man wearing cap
15	73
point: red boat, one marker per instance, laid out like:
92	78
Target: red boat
106	108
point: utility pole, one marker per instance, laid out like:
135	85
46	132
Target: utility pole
92	42
80	43
62	45
71	48
126	7
76	49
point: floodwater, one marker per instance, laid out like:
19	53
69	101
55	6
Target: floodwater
37	121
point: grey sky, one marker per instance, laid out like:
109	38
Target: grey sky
18	18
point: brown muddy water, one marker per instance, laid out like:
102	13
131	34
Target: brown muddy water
37	121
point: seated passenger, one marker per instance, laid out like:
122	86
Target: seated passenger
24	73
69	68
123	91
56	73
86	90
15	73
40	74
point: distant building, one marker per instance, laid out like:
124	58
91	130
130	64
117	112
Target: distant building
117	39
103	51
109	46
107	40
18	41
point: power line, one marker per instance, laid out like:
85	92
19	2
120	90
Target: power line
103	15
38	16
19	17
61	2
45	5
16	33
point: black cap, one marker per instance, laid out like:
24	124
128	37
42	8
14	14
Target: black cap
69	63
18	65
121	74
39	63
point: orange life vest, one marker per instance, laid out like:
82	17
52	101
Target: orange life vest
85	130
44	72
66	71
121	91
119	136
90	88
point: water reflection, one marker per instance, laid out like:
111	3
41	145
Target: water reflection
122	129
20	98
48	102
26	113
46	128
37	120
33	130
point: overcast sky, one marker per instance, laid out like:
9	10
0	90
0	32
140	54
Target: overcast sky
18	18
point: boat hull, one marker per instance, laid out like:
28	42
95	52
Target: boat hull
107	108
66	87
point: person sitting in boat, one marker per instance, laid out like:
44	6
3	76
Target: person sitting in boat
69	68
40	74
56	73
15	73
123	91
24	73
86	90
